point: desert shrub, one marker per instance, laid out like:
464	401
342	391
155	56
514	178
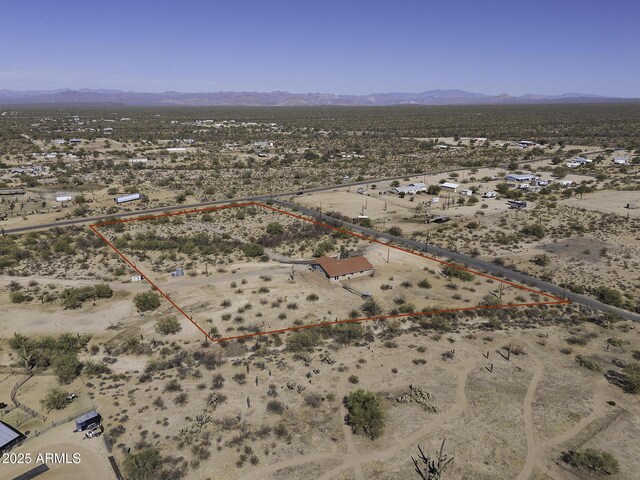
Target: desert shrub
489	300
598	461
240	378
323	248
274	228
610	296
454	272
143	465
19	297
181	399
146	301
217	382
366	413
541	260
353	379
346	333
173	386
395	231
424	283
276	407
253	250
56	399
168	326
303	340
313	400
371	308
588	363
533	230
92	369
632	372
312	297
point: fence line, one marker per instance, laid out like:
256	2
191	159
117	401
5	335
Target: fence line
63	421
19	404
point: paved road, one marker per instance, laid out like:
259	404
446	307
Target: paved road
472	262
174	208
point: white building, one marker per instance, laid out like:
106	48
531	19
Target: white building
620	160
450	186
489	194
524	178
410	189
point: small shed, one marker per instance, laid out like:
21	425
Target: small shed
89	418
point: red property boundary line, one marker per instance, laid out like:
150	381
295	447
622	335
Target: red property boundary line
95	228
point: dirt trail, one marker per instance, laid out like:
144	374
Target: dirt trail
354	459
526	471
536	450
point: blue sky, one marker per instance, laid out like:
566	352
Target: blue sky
347	46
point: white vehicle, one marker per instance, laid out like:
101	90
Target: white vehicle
435	199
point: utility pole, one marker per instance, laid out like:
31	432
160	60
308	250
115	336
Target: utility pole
426	245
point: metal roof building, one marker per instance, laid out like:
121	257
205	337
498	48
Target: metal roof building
334	268
520	178
9	437
450	185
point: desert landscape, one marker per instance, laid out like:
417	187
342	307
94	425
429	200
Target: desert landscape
286	294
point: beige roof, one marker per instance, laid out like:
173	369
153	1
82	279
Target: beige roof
336	267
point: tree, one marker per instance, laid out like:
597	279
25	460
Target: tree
394	184
67	367
432	470
366	413
168	326
146	301
598	461
143	465
56	399
581	190
253	250
434	189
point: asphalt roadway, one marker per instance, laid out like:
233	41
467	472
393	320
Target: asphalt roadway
471	262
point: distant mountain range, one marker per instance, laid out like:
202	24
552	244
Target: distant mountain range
431	97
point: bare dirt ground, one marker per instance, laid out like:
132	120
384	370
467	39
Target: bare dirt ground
92	463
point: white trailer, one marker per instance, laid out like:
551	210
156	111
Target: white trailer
127	198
